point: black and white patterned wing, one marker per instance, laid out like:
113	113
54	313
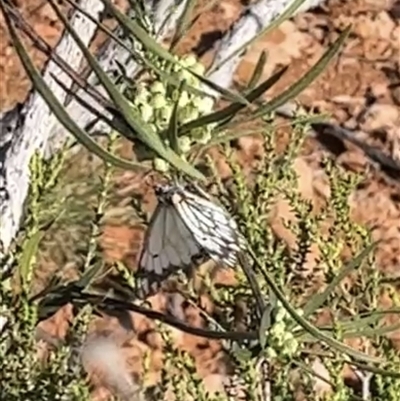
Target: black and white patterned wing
212	227
168	246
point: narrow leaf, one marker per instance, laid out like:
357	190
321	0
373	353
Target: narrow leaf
225	93
258	70
89	275
265	324
305	81
142	130
56	107
132	26
319	299
148	63
307	326
44	47
378	371
227	113
183	23
278	21
153	47
172	132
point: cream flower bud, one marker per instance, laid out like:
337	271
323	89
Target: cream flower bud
165	113
146	112
271	353
189	60
292	346
187	114
142	95
281	314
184	143
160	165
203	105
198	69
183	99
158	101
278	330
186	76
157	87
204	136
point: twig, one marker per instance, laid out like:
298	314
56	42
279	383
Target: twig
366	383
321	130
253	20
111	305
29	128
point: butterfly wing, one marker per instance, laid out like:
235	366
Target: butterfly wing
168	246
211	226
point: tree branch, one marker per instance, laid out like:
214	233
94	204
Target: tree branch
30	128
253	20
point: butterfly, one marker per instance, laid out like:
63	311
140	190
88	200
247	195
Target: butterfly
186	225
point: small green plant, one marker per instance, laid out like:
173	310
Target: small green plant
23	373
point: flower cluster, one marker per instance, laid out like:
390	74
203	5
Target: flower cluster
155	100
281	341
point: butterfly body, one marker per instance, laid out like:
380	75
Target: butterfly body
186	225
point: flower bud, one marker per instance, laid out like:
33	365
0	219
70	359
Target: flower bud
183	99
165	113
203	105
158	101
157	87
204	136
189	60
198	69
160	165
146	112
184	143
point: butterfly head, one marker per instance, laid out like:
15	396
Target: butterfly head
166	193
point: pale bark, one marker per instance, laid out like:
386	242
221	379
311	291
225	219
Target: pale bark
253	20
33	128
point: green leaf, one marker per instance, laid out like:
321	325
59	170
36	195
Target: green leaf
353	326
258	70
105	29
153	47
225	93
305	81
56	107
227	113
373	369
139	10
29	250
138	32
319	299
148	63
172	132
265	324
313	373
285	15
141	129
183	23
307	326
89	275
